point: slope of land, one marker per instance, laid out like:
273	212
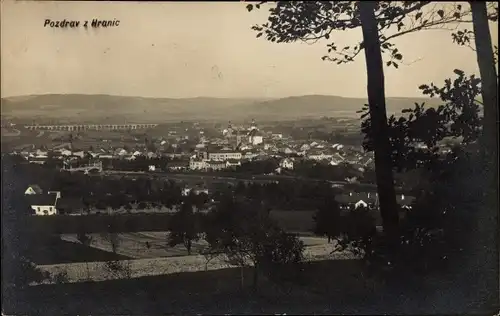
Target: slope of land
121	109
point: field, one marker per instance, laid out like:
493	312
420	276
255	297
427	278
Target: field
322	287
162	259
135	245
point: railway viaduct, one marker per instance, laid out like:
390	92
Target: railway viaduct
95	127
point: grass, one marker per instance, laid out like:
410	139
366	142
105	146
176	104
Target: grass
201	292
325	287
60	251
296	221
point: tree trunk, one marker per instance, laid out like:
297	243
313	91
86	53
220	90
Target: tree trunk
489	83
487	219
242	278
188	246
255	277
378	115
88	270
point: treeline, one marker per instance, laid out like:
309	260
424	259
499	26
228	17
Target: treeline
123	223
264	166
287	195
325	171
139	163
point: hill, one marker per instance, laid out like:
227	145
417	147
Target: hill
118	109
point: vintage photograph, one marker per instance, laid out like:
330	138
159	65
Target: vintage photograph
249	157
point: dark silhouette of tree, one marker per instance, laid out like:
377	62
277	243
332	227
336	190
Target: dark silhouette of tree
381	22
447	223
85	240
184	227
245	234
416	137
377	110
18	268
327	219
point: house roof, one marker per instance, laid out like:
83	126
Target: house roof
42	199
355	197
372	199
35	188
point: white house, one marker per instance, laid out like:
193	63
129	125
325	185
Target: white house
255	137
360	203
80	154
286	163
152	168
65	152
43	204
216	165
305	147
224	155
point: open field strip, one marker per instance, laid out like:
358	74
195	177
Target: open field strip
135	245
95	271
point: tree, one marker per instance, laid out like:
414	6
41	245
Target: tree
447	223
314	20
85	240
327	219
377	110
18	267
184	227
246	236
311	21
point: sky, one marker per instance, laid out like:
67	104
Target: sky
203	49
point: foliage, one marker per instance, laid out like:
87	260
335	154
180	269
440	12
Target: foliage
327	219
18	269
102	192
83	237
416	137
258	166
184	227
438	228
245	234
286	195
311	21
466	37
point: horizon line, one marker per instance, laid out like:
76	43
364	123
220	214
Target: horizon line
206	97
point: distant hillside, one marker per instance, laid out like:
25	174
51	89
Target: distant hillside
107	108
322	105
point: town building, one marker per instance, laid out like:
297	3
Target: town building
369	200
222	155
286	163
42	203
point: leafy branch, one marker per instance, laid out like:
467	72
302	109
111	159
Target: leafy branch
311	21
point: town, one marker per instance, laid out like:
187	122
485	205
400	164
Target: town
288	157
201	159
